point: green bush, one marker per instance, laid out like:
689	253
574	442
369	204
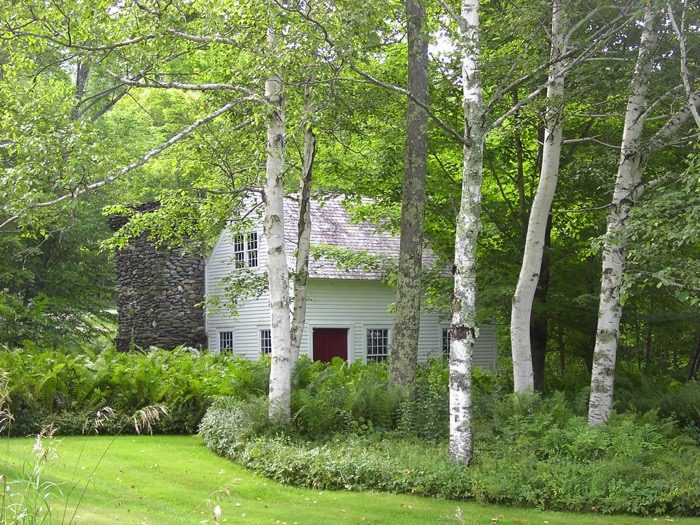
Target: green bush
230	423
529	451
68	389
672	399
339	396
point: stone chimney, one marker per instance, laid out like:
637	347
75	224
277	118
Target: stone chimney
160	293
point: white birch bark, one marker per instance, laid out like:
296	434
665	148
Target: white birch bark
301	275
278	274
463	330
627	190
521	311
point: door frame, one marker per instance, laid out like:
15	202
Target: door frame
340	326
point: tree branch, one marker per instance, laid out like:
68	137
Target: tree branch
674	123
397	89
680	35
138	163
184	86
591	139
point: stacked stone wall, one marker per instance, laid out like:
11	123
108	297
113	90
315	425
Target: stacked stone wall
160	296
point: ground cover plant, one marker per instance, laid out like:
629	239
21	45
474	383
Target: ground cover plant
529	450
175	480
66	390
351	429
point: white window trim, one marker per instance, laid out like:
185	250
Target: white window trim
442	329
388	341
231	350
260	348
245	238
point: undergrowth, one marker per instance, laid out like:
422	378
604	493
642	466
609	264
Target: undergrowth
66	390
529	450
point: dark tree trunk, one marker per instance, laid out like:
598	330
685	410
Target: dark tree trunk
694	358
539	332
647	345
404	352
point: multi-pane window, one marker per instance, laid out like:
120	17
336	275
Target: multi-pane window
252	249
265	341
225	341
377	345
245	250
446	339
239	250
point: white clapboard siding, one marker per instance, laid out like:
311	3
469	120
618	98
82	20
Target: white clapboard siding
356	305
352	299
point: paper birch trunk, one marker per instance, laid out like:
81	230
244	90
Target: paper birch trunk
463	330
521	312
404	351
278	274
301	275
626	192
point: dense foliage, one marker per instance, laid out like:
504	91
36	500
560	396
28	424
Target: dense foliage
529	450
104	391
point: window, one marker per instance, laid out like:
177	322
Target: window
377	345
446	339
245	250
253	250
239	251
265	341
225	341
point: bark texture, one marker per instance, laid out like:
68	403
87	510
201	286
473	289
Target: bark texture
626	192
463	330
278	275
301	274
404	352
521	312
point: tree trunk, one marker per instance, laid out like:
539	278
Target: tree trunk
627	190
301	275
463	330
521	312
694	358
404	351
278	274
647	344
539	323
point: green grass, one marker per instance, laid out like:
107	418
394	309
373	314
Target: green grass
171	480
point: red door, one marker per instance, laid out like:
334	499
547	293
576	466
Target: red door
329	343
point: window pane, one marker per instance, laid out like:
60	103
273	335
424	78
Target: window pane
377	344
265	341
252	249
226	341
239	250
446	342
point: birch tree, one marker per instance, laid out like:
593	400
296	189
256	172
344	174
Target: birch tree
523	378
634	153
146	37
301	274
404	351
463	330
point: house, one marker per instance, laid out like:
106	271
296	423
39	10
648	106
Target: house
347	313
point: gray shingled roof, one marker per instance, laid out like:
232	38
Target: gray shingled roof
332	226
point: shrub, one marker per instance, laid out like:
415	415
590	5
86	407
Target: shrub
67	389
528	451
230	423
672	399
340	396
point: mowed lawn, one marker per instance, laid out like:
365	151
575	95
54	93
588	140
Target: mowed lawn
171	480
